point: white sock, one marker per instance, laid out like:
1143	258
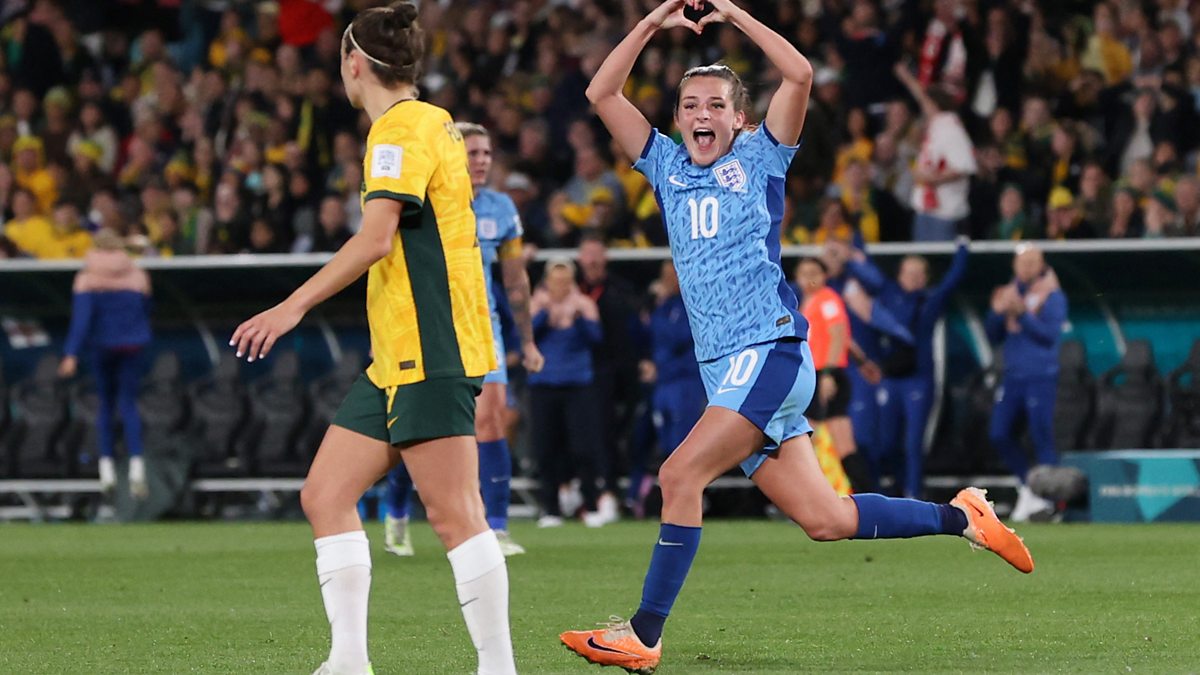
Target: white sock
137	470
482	581
344	571
108	472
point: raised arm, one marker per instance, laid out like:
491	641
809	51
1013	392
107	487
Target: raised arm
625	122
954	276
789	105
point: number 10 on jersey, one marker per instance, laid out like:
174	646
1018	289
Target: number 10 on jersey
705	217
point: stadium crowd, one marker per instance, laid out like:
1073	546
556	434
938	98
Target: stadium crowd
208	126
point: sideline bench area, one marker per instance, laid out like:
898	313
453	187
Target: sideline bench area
41	499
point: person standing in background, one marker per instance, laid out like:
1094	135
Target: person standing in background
908	382
829	340
1027	315
944	165
614	359
564	409
678	399
110	321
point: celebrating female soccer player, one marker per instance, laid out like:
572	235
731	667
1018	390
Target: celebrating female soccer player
431	338
722	200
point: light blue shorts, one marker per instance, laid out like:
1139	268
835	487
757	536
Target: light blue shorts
769	384
500	374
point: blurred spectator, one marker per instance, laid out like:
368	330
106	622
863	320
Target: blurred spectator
110	325
564	409
35	235
1013	222
614	357
30	172
1126	214
678	398
1187	203
333	228
1027	315
944	165
1064	219
868	52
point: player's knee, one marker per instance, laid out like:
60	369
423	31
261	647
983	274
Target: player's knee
489	427
455	517
676	479
312	501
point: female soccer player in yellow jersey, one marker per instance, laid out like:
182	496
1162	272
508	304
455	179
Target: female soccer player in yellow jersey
432	342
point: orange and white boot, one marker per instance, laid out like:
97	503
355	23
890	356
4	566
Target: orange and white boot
984	529
614	645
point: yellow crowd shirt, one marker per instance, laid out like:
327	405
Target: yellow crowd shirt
427	306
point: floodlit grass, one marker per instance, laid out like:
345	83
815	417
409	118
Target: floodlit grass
243	598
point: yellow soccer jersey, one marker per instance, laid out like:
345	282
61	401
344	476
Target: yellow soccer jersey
426	302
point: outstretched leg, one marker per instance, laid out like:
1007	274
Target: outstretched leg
792	479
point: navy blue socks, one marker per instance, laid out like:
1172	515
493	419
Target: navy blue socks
495	477
399	490
882	517
673	555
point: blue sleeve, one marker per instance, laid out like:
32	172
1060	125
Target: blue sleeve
1045	326
512	220
777	156
541	323
590	330
867	274
994	326
657	147
954	276
83	305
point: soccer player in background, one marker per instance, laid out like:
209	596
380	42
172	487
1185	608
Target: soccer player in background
431	338
1027	315
499	230
722	196
908	380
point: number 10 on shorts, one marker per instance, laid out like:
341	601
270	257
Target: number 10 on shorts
741	367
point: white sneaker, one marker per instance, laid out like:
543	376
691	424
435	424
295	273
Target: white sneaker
108	476
594	519
550	521
137	478
606	507
325	669
1029	505
397	539
570	499
507	545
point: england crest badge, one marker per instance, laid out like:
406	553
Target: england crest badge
731	175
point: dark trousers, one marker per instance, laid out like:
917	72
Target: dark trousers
118	374
902	421
1034	399
567	437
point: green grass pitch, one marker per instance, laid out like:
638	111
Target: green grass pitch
242	598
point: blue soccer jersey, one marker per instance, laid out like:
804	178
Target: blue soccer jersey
496	222
723	224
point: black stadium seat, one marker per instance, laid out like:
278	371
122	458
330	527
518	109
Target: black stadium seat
219	412
39	414
1130	401
325	395
1183	388
81	439
162	400
277	417
1075	405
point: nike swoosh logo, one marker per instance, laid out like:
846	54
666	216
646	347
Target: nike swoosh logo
669	543
391	422
591	642
464	604
723	390
676	182
498	480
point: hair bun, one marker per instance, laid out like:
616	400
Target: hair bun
405	14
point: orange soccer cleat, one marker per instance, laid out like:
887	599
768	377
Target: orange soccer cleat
614	645
984	529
